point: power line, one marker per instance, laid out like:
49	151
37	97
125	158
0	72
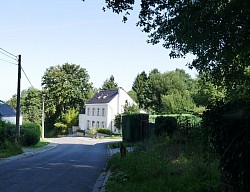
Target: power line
26	76
9	53
8	62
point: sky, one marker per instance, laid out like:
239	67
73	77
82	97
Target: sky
53	32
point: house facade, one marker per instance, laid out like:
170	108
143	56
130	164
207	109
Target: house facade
101	109
8	114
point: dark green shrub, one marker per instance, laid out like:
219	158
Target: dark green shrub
165	125
30	134
104	131
228	125
135	127
7	132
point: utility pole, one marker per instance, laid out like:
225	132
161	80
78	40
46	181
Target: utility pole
43	117
18	99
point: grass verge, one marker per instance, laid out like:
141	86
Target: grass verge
39	144
163	164
8	149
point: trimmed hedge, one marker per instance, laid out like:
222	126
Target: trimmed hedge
104	131
135	127
165	125
30	134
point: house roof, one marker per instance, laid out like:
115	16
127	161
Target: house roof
104	96
6	110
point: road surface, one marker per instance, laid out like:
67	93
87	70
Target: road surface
71	167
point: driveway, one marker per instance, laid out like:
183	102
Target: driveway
74	165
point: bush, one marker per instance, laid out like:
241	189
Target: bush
135	127
92	131
165	125
228	125
8	149
104	131
30	134
61	128
7	132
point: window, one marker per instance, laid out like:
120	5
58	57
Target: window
88	124
88	111
103	124
98	111
103	112
93	123
97	124
93	112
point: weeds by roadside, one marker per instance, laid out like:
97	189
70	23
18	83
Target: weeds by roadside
163	164
8	149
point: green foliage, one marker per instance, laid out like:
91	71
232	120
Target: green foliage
66	87
130	109
7	132
178	103
228	125
134	127
104	131
91	131
207	93
117	121
109	84
161	164
30	134
71	118
8	149
217	32
165	125
61	129
162	93
31	105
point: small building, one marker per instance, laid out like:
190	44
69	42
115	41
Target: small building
7	113
101	109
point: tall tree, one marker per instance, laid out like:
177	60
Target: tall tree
109	83
217	32
141	88
31	105
66	86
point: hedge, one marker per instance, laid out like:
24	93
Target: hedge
30	134
229	128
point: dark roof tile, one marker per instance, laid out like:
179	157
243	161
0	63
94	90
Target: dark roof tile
6	110
104	96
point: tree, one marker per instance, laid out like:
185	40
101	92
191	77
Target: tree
109	84
71	118
65	86
31	105
217	32
207	93
172	86
141	88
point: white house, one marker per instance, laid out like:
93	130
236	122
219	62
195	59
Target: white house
101	109
8	114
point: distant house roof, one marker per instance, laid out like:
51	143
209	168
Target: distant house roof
104	96
6	110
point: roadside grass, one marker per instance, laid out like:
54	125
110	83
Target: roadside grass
113	136
163	164
41	143
118	144
8	149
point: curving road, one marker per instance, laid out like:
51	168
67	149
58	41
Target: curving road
73	166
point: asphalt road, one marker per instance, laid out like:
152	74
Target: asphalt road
72	166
